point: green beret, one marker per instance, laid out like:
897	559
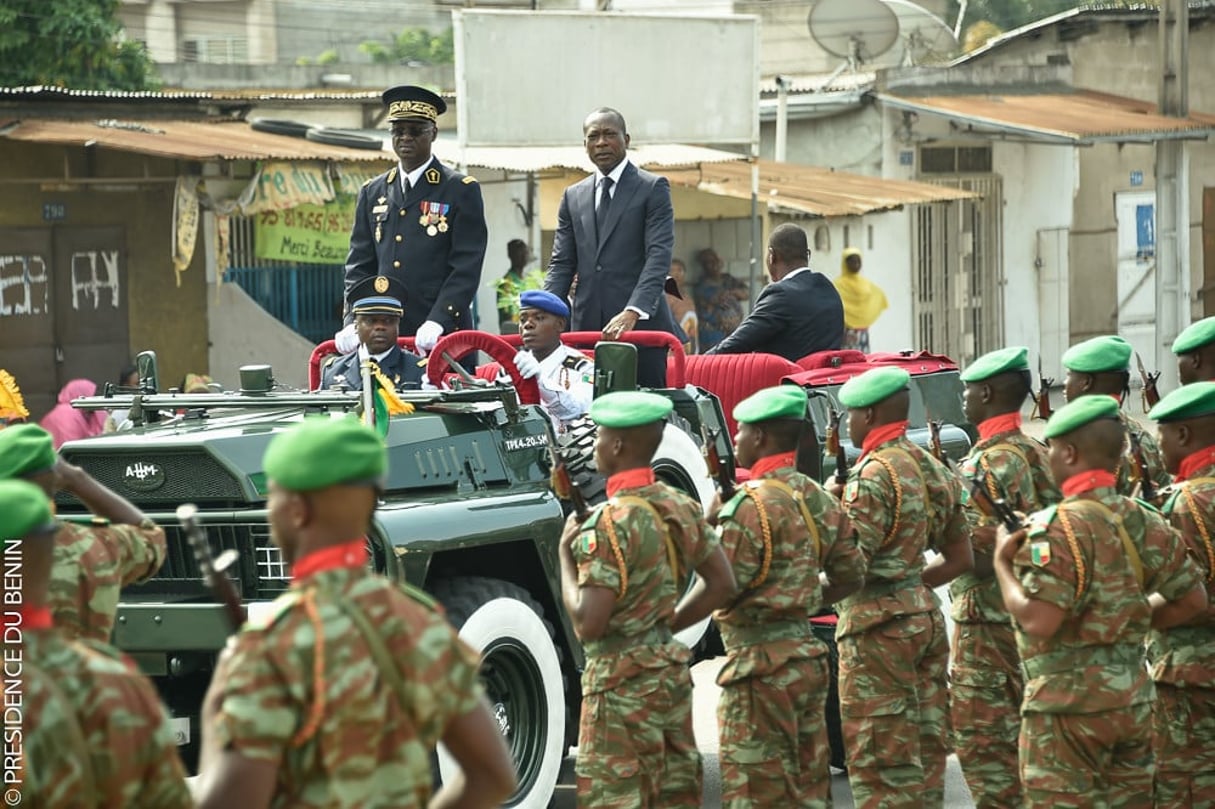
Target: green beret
25	449
873	386
1195	336
1079	412
780	402
1098	355
629	409
324	452
1187	402
992	363
26	510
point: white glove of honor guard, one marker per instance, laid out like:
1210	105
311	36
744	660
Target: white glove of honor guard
347	340
527	364
428	334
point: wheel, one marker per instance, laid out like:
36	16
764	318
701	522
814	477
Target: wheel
351	140
276	126
521	672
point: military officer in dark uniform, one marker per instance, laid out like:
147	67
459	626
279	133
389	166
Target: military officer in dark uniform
420	223
377	320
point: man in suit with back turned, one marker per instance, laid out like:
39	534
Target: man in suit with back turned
615	231
799	313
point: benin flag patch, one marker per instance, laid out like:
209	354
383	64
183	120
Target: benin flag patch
1039	553
589	541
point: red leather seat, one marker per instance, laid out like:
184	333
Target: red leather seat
831	359
734	377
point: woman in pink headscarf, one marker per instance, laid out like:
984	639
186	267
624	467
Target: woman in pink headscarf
65	423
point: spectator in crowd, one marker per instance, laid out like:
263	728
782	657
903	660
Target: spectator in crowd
510	285
718	300
65	423
12	403
683	309
863	300
128	378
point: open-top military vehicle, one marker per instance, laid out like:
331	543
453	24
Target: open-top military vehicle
468	513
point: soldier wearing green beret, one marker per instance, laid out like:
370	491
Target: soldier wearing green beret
337	695
893	650
779	531
985	671
1183	657
119	546
1101	367
94	731
1075	584
1195	350
622	571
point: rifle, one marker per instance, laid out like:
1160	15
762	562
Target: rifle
214	571
834	417
938	451
1150	395
998	505
1147	489
717	469
1042	408
564	486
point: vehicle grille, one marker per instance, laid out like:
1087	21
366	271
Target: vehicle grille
189	476
260	571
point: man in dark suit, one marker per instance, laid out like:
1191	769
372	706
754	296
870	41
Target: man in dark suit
799	313
377	318
615	231
420	223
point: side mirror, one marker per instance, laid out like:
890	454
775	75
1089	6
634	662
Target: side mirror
149	375
615	367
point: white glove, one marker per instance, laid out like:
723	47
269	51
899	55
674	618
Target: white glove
428	334
527	364
347	339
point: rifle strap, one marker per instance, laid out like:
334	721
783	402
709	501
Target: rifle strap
897	485
1128	545
77	743
1201	521
383	659
660	523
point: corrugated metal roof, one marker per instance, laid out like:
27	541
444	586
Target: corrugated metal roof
540	158
185	140
812	189
1079	116
820	82
288	94
48	92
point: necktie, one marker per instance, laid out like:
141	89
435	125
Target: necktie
605	202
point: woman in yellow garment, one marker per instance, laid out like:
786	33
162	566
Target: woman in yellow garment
863	300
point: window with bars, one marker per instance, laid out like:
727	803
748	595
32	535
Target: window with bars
955	160
215	50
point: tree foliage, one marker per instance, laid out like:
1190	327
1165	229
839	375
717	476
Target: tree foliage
415	45
1009	14
70	43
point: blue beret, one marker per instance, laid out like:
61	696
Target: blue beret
544	301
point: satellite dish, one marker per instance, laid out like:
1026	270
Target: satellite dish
856	30
924	38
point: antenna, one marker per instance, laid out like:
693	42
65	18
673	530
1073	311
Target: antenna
856	30
924	38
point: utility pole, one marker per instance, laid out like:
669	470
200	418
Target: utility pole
1172	191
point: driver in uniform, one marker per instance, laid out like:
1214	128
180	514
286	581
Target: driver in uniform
565	375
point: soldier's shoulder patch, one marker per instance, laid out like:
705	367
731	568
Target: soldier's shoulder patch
468	179
1040	521
851	489
588	540
574	361
970	464
433	176
1039	553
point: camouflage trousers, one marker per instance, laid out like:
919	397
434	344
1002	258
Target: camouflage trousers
1087	761
985	706
1183	721
894	707
635	744
774	748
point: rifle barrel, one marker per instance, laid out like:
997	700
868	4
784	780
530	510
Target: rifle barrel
217	579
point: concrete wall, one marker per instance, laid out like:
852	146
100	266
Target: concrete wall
851	141
243	333
201	76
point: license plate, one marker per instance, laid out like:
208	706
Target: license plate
181	729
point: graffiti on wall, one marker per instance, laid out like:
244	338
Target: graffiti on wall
25	283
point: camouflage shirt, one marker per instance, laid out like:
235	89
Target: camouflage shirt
638	632
1094	662
902	501
349	742
92	564
1017	470
98	710
779	586
1185	655
1128	472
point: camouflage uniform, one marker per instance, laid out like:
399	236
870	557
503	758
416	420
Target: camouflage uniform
92	564
1183	664
635	742
1085	719
1128	472
95	731
354	739
774	747
985	674
892	644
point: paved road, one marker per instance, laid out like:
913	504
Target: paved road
705	722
